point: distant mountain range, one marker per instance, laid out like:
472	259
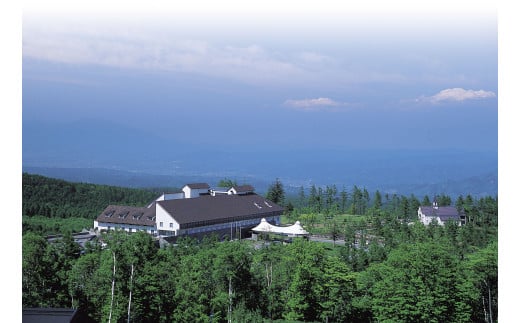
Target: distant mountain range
104	152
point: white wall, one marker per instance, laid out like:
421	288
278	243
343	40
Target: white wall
168	223
191	193
162	216
423	218
426	220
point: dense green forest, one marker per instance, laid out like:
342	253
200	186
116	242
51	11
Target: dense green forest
56	206
390	268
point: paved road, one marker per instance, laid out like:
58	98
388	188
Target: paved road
321	239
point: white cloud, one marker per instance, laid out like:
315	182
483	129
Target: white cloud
313	104
458	95
250	63
173	47
271	57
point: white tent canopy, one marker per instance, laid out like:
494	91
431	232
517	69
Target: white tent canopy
293	230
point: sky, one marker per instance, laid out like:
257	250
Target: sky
269	78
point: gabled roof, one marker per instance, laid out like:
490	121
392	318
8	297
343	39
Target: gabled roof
197	186
243	188
128	215
444	213
219	209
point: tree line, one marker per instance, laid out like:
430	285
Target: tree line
329	200
344	213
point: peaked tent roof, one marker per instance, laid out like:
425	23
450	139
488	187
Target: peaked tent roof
264	226
295	229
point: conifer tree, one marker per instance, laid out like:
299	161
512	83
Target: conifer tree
276	192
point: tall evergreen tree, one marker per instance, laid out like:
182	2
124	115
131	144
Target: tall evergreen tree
365	201
357	197
313	197
344	197
319	200
414	206
276	192
378	203
301	197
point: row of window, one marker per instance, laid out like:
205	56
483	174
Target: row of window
130	229
221	226
161	225
224	226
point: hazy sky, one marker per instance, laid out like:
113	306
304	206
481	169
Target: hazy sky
420	77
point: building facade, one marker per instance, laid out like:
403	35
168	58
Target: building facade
440	214
198	210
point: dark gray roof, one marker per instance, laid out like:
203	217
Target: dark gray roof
53	315
82	238
445	213
151	203
198	185
174	191
244	188
219	209
128	215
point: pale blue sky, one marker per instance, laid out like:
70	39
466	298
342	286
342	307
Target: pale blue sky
361	79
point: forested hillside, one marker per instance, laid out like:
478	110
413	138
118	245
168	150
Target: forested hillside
49	202
390	267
